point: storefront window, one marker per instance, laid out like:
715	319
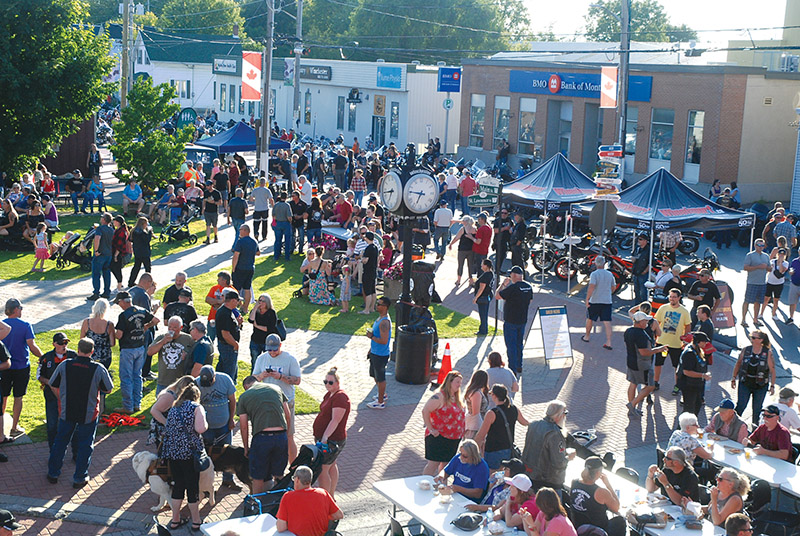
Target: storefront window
661	133
565	128
307	115
394	120
241	102
527	122
502	106
233	99
251	108
340	114
223	97
631	125
694	136
477	113
351	117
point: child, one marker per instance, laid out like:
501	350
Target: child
55	246
176	206
42	251
344	289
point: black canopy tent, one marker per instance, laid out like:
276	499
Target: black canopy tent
239	138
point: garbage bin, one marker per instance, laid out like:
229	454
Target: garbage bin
413	354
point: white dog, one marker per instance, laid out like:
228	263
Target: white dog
141	463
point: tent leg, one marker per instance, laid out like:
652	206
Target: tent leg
633	286
650	259
544	245
569	255
752	234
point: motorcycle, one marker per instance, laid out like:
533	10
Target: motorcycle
544	257
690	241
690	274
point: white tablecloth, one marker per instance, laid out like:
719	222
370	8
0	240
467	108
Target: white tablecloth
775	471
262	524
425	507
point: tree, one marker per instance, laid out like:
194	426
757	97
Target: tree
51	78
215	17
649	22
143	149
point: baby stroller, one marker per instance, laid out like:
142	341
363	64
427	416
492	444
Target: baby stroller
75	250
179	230
268	502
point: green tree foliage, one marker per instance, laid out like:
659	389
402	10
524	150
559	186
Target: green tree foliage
649	22
143	149
215	17
51	71
427	30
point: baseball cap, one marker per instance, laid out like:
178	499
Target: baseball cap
273	342
517	270
45	197
520	481
443	202
231	295
787	392
515	466
207	376
593	462
122	295
60	338
772	409
7	520
638	316
705	271
185	292
726	403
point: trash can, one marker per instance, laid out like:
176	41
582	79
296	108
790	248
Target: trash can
413	354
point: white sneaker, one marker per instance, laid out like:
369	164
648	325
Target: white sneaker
385	397
376	405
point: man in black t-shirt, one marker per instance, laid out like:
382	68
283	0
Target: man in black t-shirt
76	188
483	295
677	480
212	199
228	333
47	365
518	294
131	329
370	273
172	292
298	218
237	213
639	345
182	308
518	241
703	292
502	238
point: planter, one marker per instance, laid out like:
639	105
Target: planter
392	289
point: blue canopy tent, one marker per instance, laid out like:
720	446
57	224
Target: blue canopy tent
240	138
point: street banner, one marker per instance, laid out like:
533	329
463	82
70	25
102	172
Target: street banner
555	332
608	87
251	76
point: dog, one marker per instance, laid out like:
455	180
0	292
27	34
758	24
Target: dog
231	459
147	468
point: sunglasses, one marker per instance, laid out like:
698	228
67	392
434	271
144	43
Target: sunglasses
769	415
720	479
61	343
326	382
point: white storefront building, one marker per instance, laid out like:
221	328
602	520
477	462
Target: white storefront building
390	102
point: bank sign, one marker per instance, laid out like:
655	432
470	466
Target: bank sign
574	84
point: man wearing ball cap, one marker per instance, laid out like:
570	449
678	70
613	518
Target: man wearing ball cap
726	423
7	523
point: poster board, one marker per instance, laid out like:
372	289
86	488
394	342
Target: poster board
723	316
555	332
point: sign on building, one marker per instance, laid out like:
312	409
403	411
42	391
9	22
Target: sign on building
389	77
227	65
449	79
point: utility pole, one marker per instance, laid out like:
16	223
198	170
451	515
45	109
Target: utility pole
624	67
266	71
298	51
126	67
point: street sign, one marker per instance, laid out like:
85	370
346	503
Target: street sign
614	147
449	79
607	164
613	154
489	189
607	175
447	104
186	117
482	199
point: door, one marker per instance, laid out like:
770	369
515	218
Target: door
378	130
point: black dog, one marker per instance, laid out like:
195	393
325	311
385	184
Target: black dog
230	459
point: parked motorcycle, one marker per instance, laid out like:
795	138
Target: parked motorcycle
544	257
690	241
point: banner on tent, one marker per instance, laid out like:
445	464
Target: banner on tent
555	332
723	316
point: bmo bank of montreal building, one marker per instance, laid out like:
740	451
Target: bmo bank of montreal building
700	122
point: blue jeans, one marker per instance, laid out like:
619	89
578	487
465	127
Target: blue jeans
313	234
80	434
89	199
465	209
639	290
255	351
131	361
441	237
101	265
494	459
228	358
74	197
51	416
483	312
513	334
744	392
450	195
358	197
209	437
283	237
236	224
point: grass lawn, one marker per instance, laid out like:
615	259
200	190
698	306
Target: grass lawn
33	414
17	264
280	279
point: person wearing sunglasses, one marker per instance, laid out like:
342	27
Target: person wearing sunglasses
330	428
47	365
771	438
738	525
755	370
676	479
727	497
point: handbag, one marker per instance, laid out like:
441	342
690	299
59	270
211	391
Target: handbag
201	460
280	327
515	452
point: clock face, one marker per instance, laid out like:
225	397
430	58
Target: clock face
421	193
391	191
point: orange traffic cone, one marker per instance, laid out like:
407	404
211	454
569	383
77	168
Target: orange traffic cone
447	365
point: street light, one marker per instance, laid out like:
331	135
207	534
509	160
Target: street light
624	68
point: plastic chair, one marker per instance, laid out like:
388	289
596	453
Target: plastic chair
759	498
785	521
704	495
628	474
395	528
660	455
